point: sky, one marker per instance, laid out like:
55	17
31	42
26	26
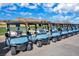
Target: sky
55	12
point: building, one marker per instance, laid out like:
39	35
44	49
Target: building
30	20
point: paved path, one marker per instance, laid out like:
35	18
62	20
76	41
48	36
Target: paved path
65	47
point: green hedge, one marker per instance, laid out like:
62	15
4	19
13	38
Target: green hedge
2	30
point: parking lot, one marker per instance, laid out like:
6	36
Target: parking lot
65	47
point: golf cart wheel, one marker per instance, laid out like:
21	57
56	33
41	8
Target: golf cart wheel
5	43
59	38
54	40
66	36
48	41
29	46
13	50
39	43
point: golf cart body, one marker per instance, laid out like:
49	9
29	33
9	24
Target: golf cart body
75	29
41	35
55	33
64	32
14	41
15	38
70	30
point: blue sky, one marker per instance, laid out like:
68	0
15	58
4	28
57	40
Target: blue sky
55	12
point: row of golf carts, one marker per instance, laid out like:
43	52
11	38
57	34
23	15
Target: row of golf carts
21	36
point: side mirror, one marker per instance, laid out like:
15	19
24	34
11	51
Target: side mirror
35	32
28	33
7	35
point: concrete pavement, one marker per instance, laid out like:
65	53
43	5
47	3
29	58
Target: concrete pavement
65	47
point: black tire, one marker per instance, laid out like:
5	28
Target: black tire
62	36
39	43
59	38
48	41
29	46
72	34
66	36
5	44
13	50
54	40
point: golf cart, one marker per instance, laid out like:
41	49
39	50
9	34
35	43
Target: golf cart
64	33
55	32
41	36
70	30
16	39
76	29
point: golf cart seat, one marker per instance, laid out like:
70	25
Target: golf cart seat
19	33
13	34
10	34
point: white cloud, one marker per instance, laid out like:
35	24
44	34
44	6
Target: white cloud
4	4
61	19
60	8
29	13
77	18
12	8
24	4
65	7
1	4
21	5
32	7
40	17
76	8
40	14
58	17
48	7
25	13
8	14
29	6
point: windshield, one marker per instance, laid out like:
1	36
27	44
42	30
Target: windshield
54	29
41	31
64	29
17	31
69	28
